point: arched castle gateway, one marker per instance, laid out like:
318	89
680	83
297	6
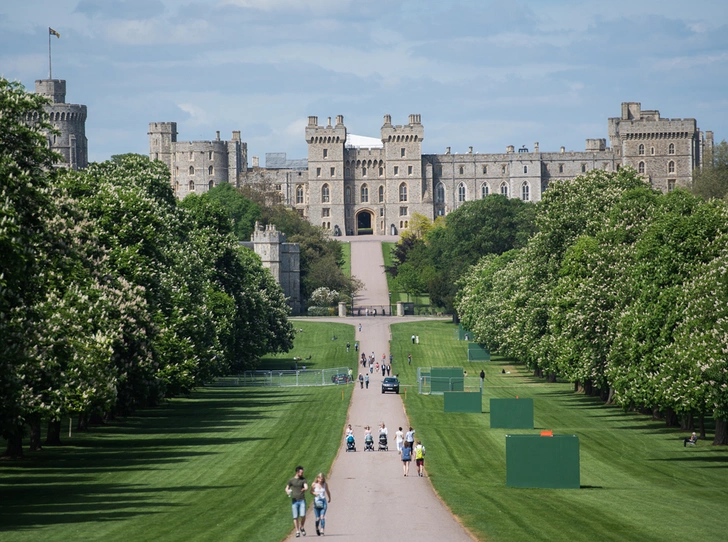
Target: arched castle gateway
356	185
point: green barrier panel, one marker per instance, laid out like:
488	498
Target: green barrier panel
463	334
511	413
463	401
544	462
478	353
446	379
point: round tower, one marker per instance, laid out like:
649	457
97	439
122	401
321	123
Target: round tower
69	120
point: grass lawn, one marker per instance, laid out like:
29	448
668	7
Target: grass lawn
346	253
638	482
209	467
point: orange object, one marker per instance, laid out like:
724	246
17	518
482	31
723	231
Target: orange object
547	433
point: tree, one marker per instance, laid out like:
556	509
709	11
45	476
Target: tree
711	181
243	211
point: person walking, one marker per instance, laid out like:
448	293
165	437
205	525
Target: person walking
361	381
296	490
349	374
356	347
359	328
320	492
420	458
399	436
406	458
391	359
348	346
409	438
366	380
409	359
413	339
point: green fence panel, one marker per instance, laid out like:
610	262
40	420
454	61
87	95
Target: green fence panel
463	334
478	353
463	401
511	413
446	379
543	462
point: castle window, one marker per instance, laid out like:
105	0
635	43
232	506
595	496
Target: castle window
192	170
409	170
671	167
347	171
671	149
210	170
325	193
438	170
318	172
641	167
503	169
209	155
526	192
484	190
192	186
583	168
440	193
364	193
403	192
462	170
347	194
364	172
381	211
325	212
525	169
403	211
333	171
461	192
176	186
401	152
209	185
192	156
504	189
299	194
641	150
485	170
561	168
381	193
381	171
279	187
652	150
396	170
670	185
326	153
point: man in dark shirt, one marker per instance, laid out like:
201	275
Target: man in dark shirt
296	489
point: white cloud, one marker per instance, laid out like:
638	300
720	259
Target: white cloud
198	116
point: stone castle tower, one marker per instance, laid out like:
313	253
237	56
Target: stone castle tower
69	120
281	258
197	166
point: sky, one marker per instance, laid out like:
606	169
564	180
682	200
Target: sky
481	73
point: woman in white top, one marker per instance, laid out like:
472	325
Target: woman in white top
400	439
320	490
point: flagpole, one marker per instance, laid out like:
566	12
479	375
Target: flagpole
50	71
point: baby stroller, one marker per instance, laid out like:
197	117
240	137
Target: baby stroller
369	443
383	442
350	444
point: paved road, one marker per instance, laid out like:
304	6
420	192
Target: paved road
371	497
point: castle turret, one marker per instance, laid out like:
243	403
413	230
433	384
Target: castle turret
69	120
161	136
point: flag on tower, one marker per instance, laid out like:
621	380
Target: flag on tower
52	32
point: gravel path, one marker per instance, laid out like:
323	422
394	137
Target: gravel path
371	497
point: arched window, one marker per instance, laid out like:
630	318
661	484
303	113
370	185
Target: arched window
485	170
381	193
561	168
641	150
583	168
176	186
525	169
462	170
484	190
209	170
461	192
364	193
209	185
192	170
641	167
525	191
325	193
299	194
440	193
403	192
671	167
192	186
504	189
671	149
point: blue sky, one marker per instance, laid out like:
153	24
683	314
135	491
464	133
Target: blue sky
485	74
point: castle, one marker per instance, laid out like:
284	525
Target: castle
70	121
357	185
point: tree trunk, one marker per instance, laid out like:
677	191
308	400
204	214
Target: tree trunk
588	386
702	425
15	444
34	445
576	386
686	422
82	424
656	413
53	437
551	378
604	394
610	399
721	433
670	418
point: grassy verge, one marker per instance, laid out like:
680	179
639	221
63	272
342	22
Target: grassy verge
208	467
638	482
315	339
346	253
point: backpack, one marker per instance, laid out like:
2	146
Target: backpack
419	452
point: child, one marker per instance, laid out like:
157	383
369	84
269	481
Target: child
420	458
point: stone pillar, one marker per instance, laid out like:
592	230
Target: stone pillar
400	308
342	309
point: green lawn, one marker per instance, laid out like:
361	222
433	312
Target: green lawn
346	253
209	467
316	341
638	482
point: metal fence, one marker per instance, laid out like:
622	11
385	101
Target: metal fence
280	378
425	382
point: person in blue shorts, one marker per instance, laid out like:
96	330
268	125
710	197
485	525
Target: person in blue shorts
296	489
